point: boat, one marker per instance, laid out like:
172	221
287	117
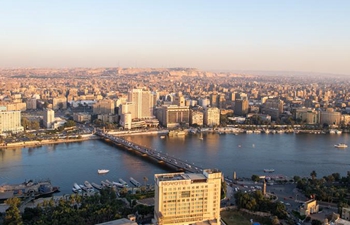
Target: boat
27	189
102	171
338	131
123	182
119	185
83	187
88	185
135	182
97	186
341	145
162	136
269	170
105	184
77	187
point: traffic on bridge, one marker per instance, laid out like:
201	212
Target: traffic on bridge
154	154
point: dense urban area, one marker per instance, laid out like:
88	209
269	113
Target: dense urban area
39	106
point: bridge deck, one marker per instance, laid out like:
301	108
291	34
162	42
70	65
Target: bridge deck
154	154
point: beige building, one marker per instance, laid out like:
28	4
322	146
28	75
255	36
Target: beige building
196	117
345	213
173	115
19	106
59	103
182	198
309	207
81	117
105	106
142	102
31	103
241	107
10	121
212	116
330	117
49	118
307	115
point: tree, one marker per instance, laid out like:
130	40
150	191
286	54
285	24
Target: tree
255	178
69	123
313	174
13	215
296	179
275	220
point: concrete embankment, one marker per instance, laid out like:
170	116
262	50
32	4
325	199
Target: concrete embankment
48	142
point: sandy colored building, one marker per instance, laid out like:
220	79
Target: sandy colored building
187	198
309	207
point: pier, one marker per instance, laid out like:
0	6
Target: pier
151	153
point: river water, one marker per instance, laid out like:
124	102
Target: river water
247	154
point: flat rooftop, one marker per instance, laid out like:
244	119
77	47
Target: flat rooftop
185	176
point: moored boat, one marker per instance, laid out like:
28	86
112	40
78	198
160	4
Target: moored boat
123	182
269	170
135	182
97	186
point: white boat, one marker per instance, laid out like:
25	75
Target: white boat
338	131
341	145
269	170
102	171
162	136
105	184
87	184
135	182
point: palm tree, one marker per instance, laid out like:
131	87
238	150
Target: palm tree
145	179
313	174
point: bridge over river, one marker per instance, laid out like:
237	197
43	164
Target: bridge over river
151	153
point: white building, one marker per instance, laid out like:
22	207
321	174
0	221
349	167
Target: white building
49	118
10	121
212	116
143	103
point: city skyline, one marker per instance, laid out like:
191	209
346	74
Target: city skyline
225	35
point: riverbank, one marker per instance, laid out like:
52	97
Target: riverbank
48	142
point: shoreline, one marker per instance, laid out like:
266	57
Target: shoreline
46	142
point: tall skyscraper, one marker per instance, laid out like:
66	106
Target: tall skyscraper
10	121
182	198
49	118
143	103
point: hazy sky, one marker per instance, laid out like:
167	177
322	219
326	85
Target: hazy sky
289	35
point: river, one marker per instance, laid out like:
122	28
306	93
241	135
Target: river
247	154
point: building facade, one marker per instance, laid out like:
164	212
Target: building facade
10	121
196	117
49	118
143	103
191	198
212	116
241	107
173	115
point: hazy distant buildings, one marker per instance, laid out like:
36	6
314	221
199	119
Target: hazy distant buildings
212	116
49	118
192	198
10	121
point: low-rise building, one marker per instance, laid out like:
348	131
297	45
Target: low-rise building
309	207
